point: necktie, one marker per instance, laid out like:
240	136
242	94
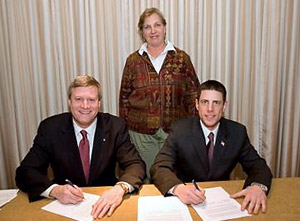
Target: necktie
84	149
210	147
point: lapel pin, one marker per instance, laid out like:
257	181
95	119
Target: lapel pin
222	143
104	139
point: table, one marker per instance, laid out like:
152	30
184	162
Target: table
283	202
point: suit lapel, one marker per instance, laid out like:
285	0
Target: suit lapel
220	146
198	142
98	155
69	141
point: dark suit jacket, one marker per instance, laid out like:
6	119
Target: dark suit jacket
184	156
55	144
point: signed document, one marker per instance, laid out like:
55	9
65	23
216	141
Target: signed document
158	208
219	206
81	211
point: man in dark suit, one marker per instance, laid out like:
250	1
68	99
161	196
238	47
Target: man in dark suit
189	154
84	147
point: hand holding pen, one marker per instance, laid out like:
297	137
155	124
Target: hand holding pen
189	194
78	192
67	194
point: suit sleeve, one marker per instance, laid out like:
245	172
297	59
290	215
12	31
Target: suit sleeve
254	165
31	175
131	164
163	170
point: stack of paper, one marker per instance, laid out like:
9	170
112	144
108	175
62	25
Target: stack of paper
158	208
7	195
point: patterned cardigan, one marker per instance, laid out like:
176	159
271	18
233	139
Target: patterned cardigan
149	100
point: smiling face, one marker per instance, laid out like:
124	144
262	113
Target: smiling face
84	105
210	107
154	30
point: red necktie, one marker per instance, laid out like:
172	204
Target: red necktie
84	149
211	147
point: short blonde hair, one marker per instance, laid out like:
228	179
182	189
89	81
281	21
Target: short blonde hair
84	81
148	12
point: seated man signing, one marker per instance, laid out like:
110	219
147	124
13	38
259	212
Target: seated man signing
207	148
82	147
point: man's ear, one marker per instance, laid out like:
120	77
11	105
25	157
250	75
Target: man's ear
197	104
225	105
69	104
99	104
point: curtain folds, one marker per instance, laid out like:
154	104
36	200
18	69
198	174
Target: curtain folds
251	46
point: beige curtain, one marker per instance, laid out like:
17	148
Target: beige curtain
252	46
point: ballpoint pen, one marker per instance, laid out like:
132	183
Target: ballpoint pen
200	190
70	183
195	184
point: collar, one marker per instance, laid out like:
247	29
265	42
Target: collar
206	131
90	129
169	47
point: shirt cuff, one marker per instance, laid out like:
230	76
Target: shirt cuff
47	192
129	186
171	191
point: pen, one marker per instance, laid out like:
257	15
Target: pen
195	184
70	183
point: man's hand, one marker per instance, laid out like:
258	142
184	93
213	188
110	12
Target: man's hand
255	198
108	202
188	194
67	194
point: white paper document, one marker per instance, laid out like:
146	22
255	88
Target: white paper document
219	206
81	211
158	208
7	195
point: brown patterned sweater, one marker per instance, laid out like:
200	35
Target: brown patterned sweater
149	100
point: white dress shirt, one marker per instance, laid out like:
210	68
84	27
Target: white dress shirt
157	62
206	132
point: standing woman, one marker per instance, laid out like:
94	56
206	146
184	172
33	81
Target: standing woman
159	86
